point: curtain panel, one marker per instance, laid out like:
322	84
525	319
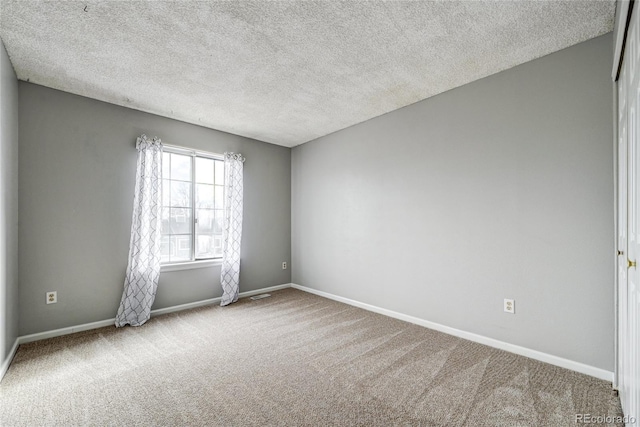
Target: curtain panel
143	268
232	227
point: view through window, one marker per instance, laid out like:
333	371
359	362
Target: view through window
192	202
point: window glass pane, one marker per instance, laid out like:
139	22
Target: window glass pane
208	244
180	221
219	197
217	245
219	172
217	225
204	196
204	170
166	192
181	194
181	202
166	165
166	226
181	248
206	219
180	167
165	250
204	246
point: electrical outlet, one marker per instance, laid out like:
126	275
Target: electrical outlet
284	265
52	297
510	306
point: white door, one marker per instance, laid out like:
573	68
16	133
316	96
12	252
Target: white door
622	233
628	380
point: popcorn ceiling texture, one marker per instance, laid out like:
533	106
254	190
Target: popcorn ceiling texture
282	72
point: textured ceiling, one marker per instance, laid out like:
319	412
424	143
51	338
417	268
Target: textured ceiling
284	72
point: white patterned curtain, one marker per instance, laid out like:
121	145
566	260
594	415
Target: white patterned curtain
232	228
143	269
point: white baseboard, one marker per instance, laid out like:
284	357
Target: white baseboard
65	331
110	322
7	361
215	300
523	351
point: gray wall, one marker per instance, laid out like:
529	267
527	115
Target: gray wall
502	188
77	173
8	205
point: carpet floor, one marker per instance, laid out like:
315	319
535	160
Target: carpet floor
292	359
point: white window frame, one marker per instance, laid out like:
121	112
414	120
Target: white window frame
194	262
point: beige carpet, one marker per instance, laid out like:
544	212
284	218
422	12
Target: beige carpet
292	359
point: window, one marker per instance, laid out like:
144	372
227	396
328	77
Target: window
192	201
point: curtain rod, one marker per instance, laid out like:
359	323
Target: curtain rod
193	151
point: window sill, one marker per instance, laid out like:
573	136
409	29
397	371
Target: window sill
190	265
